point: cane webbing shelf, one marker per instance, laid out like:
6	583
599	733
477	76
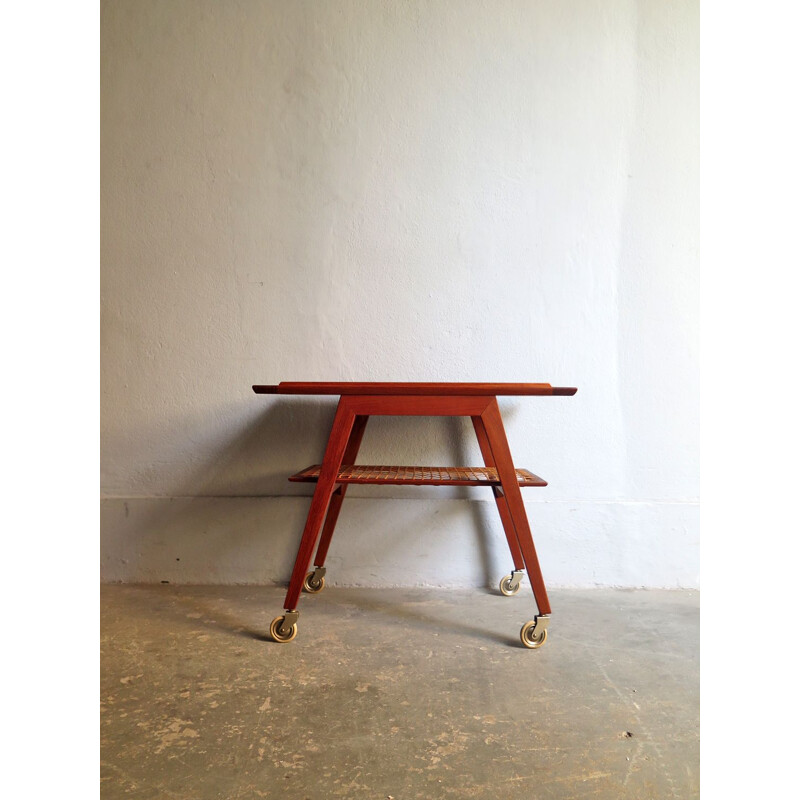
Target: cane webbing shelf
419	476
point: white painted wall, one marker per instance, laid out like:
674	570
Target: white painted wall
492	190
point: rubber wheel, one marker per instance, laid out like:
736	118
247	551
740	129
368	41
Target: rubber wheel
274	630
315	587
505	587
528	640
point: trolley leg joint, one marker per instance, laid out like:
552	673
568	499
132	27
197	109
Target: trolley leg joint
315	577
540	624
516	579
290	618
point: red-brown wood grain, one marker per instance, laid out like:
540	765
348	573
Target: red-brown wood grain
358	401
501	454
499	497
337	498
334	453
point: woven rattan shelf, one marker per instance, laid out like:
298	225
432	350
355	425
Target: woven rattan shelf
420	476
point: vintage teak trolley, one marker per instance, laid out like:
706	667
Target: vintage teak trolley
357	403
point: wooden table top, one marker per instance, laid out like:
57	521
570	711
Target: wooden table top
437	389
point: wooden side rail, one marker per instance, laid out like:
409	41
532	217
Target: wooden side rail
419	476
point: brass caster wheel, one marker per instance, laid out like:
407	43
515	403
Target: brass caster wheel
313	583
530	637
510	584
275	630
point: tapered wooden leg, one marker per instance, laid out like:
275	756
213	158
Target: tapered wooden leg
500	498
334	452
350	454
496	437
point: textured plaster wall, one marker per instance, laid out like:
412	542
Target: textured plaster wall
408	190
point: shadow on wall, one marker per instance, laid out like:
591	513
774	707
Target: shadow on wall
234	519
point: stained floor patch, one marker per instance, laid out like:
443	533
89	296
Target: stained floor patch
401	693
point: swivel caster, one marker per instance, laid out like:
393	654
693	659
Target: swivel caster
315	581
284	629
534	633
510	584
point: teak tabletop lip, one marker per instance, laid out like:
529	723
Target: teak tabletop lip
358	401
398	389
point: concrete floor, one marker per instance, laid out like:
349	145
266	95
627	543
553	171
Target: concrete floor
398	694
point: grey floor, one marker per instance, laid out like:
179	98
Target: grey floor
398	694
